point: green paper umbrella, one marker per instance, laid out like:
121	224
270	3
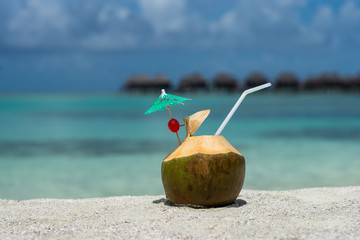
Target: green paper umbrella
165	100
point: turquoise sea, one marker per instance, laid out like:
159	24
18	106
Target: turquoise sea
98	145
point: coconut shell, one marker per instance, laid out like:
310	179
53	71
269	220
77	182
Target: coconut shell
203	170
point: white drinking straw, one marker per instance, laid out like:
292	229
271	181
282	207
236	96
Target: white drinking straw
241	98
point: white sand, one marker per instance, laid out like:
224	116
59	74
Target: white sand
319	213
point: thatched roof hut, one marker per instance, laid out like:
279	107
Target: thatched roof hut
312	83
330	81
255	79
287	81
355	83
351	83
326	81
193	82
137	82
224	81
161	81
145	83
347	82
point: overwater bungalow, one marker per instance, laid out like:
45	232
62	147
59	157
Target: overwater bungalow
145	83
325	82
255	79
193	82
331	81
287	81
312	83
161	81
347	82
351	83
355	83
224	81
138	83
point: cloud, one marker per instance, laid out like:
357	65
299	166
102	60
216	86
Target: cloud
109	27
112	25
260	23
322	26
349	21
164	15
37	24
42	24
337	31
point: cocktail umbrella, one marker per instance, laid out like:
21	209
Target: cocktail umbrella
165	101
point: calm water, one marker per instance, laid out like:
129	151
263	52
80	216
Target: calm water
76	146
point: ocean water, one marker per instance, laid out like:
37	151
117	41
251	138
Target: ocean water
77	146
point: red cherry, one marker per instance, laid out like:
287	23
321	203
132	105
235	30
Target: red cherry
173	125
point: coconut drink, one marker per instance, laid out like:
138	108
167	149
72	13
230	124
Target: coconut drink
203	170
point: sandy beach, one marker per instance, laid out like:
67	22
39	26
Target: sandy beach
316	213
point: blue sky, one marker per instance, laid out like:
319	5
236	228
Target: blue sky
94	45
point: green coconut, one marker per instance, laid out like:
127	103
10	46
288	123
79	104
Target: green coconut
203	170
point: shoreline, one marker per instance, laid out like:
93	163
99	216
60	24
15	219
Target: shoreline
313	213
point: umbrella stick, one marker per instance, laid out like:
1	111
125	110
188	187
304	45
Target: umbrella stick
178	138
169	110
